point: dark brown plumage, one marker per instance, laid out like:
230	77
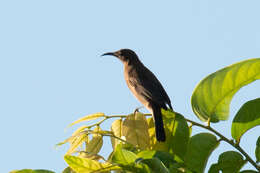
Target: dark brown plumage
145	87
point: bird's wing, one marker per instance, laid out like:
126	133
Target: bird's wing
149	86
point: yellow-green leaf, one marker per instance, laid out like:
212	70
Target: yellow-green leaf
116	129
155	145
123	157
246	118
135	130
95	144
211	98
85	165
88	118
77	141
85	154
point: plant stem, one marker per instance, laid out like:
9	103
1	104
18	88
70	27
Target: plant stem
237	146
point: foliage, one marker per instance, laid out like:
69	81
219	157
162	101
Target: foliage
134	146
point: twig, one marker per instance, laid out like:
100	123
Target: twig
237	146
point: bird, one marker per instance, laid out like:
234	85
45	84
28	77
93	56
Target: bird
145	87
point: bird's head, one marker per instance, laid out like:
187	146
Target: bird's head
125	55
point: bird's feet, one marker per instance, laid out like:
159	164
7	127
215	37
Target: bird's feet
137	109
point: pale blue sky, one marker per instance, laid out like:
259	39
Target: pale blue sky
52	74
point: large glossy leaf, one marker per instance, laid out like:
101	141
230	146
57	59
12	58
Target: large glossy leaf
246	118
230	161
257	150
177	134
135	130
116	129
199	149
88	118
85	165
32	171
212	96
249	171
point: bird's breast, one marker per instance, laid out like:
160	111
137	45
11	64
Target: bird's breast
132	82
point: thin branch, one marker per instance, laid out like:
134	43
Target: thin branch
231	142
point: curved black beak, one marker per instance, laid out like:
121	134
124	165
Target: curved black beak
109	53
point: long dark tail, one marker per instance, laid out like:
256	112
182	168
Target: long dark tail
158	121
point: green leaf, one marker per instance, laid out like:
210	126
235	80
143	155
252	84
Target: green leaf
123	156
214	168
175	168
116	129
179	131
166	158
135	130
31	171
230	161
249	171
199	149
177	135
211	98
88	118
155	165
257	150
126	160
85	165
68	170
246	118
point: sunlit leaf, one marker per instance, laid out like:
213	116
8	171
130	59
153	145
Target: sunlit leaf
88	118
123	156
116	129
95	144
31	171
135	130
127	160
257	150
91	156
85	165
212	96
199	149
155	145
177	134
77	141
246	118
